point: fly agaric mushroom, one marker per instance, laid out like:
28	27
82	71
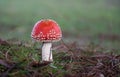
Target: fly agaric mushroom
46	31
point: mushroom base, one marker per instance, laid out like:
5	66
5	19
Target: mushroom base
46	52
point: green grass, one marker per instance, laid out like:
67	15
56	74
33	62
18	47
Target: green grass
79	17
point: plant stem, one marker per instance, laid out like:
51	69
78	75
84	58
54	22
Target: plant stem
46	51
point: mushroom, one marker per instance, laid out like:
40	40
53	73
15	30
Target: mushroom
46	31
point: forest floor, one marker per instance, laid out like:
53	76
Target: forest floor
23	59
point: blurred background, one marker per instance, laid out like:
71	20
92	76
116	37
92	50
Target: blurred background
83	21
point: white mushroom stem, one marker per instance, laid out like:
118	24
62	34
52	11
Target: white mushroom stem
46	52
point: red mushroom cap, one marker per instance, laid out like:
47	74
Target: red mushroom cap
46	30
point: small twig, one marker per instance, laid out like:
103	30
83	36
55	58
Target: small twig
6	55
2	53
2	62
5	74
50	74
71	51
116	65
